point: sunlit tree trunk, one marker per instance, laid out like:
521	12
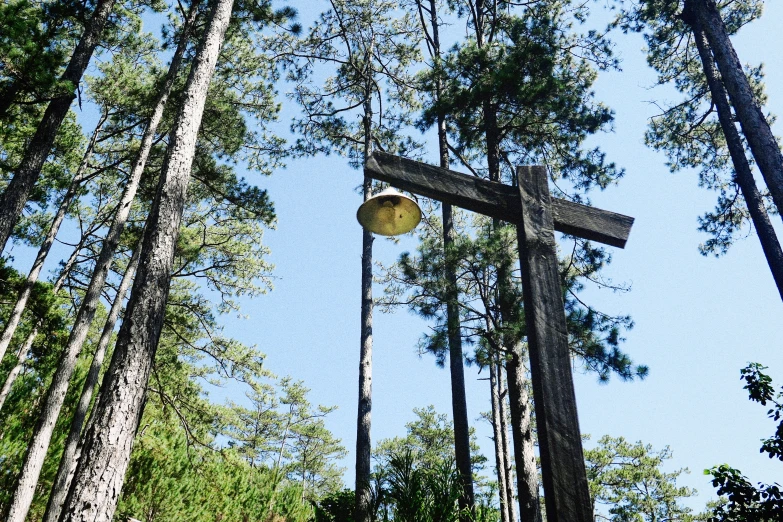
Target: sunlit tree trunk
500	457
71	450
108	440
364	414
522	430
508	471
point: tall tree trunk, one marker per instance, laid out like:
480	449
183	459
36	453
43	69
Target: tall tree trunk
108	440
524	451
71	452
743	175
524	448
456	368
522	431
509	472
364	414
500	460
15	196
755	126
55	396
24	295
459	405
21	355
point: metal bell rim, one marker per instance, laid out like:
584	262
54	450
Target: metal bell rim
388	192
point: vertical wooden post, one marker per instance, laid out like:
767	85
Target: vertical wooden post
562	460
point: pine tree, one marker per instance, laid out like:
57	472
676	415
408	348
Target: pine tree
430	21
124	388
351	114
33	47
15	195
762	143
517	93
627	483
89	304
703	125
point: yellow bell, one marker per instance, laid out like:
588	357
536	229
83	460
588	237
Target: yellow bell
389	213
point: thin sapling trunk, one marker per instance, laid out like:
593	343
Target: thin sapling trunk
500	461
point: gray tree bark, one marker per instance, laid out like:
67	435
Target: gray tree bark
509	471
15	196
524	443
743	175
459	405
108	441
755	126
72	449
32	277
500	458
364	413
55	396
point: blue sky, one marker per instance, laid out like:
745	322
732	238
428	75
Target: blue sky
698	320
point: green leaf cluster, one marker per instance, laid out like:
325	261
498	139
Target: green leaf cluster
745	502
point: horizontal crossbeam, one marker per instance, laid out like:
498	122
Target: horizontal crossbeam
494	199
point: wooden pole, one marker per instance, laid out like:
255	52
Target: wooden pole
562	461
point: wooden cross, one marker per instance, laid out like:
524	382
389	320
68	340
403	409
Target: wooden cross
537	215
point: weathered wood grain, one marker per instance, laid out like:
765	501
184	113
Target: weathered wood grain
562	461
495	199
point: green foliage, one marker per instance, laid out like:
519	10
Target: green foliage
43	305
529	71
35	40
63	160
519	91
627	483
366	48
416	479
169	480
746	502
418	282
336	507
281	430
